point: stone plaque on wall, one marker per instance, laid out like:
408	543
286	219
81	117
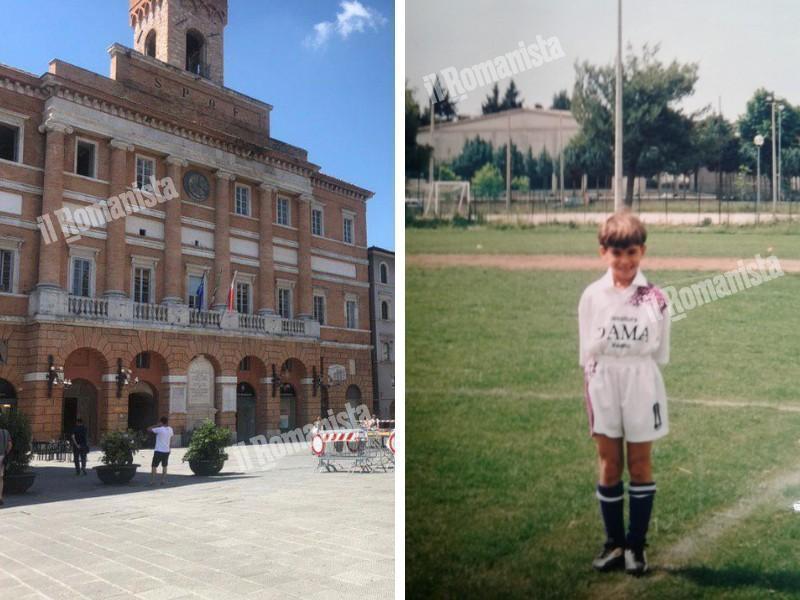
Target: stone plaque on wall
199	392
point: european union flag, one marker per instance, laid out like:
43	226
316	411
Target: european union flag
200	291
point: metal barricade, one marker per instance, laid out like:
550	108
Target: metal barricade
354	450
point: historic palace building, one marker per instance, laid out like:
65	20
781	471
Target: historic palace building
241	296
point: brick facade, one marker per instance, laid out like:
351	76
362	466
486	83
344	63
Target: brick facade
150	109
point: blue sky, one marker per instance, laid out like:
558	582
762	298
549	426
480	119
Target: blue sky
331	86
739	46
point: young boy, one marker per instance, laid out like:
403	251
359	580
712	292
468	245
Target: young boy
624	335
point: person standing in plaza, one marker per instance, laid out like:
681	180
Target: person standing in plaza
5	448
163	433
80	446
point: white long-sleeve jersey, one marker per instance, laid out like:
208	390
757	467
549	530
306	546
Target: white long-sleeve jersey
632	322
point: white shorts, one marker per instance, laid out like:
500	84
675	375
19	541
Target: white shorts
626	398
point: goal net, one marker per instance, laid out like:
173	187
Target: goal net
447	199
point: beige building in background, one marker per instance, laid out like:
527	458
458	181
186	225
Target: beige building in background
534	128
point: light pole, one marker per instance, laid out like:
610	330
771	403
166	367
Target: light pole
780	161
758	141
771	100
618	116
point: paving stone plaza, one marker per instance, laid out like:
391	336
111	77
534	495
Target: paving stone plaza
287	531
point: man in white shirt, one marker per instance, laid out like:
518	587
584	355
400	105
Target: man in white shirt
163	433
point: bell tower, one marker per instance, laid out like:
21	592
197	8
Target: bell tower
187	34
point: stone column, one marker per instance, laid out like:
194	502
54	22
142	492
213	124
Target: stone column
304	307
115	229
221	278
173	262
51	255
266	275
113	411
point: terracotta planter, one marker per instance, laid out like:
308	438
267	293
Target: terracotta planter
19	483
205	468
116	474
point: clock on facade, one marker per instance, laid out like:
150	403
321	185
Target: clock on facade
196	185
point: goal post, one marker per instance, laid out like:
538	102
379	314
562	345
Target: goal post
447	199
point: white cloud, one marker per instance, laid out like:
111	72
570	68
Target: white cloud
352	17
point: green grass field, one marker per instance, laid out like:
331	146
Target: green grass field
741	242
500	469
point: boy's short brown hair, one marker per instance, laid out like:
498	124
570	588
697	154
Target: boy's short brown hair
622	230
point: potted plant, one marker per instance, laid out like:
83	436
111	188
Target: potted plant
18	475
118	449
206	454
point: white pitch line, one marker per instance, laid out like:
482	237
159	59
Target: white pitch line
508	393
684	550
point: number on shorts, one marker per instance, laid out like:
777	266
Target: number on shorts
657	415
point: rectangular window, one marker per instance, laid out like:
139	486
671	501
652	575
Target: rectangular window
145	168
141	285
9	142
348	230
81	277
243	298
285	302
143	360
244	364
350	308
243	200
283	211
387	351
85	155
6	271
319	309
195	293
316	221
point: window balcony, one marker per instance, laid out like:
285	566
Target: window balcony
52	304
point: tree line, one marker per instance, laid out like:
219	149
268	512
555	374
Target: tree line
659	135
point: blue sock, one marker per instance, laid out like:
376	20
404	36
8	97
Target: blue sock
641	497
612	506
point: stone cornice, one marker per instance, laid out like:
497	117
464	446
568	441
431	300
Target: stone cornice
177	161
52	123
225	175
118	144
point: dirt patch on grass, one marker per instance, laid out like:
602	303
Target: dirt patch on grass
556	262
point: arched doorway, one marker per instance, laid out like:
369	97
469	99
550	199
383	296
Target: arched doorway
245	412
80	402
353	397
143	410
288	407
302	408
324	405
8	396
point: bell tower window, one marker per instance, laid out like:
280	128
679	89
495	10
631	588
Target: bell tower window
195	53
150	44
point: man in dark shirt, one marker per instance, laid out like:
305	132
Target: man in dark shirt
80	446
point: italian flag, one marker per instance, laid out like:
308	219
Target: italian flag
231	293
